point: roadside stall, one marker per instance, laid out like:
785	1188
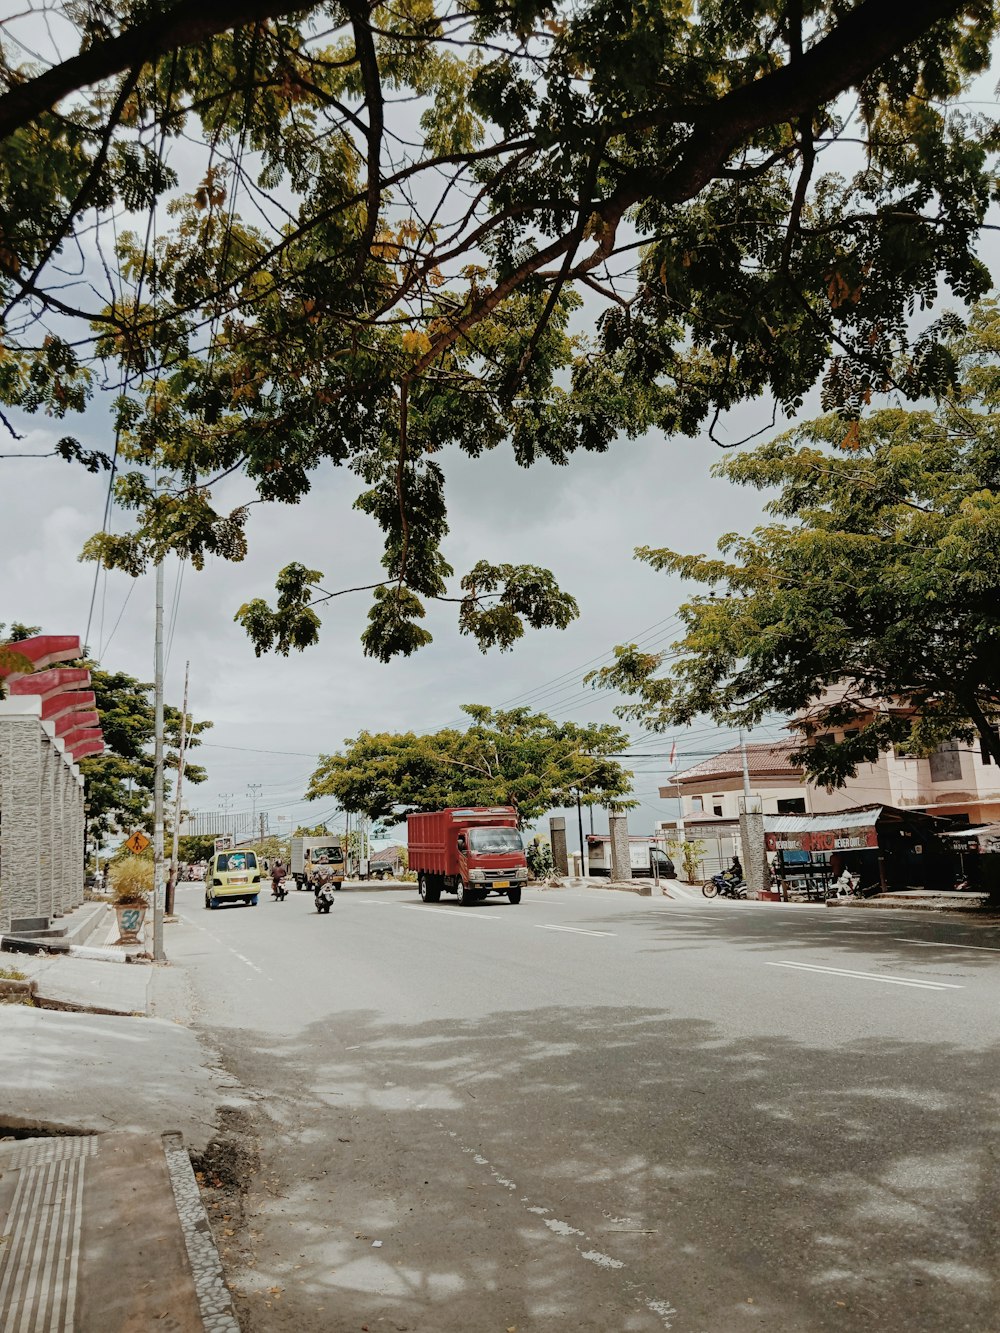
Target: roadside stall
976	857
886	847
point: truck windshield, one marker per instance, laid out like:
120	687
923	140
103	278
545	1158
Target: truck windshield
495	840
326	854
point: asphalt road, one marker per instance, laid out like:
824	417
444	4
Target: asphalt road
598	1112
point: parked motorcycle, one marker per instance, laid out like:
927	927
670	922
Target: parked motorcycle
724	885
848	885
324	897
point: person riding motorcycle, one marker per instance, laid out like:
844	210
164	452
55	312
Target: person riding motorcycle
278	873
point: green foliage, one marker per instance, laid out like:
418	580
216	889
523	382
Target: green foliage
539	857
874	606
668	160
517	758
690	851
119	791
193	846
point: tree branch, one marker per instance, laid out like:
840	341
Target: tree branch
187	23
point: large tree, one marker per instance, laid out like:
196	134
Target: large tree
874	606
514	757
376	239
119	791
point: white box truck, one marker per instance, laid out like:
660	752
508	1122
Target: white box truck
316	860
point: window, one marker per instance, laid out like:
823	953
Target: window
495	840
717	810
697	804
326	855
793	805
946	763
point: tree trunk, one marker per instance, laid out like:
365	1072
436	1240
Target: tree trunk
989	734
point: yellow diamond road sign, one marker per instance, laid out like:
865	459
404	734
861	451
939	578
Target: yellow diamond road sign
138	842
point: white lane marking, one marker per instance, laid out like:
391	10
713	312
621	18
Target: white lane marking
661	1308
449	911
939	944
575	930
212	936
870	976
842	931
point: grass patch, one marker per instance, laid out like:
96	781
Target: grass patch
12	974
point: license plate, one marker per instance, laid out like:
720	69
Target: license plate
501	883
238	879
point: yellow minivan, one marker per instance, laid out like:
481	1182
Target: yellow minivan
231	877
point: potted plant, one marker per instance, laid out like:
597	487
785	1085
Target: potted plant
131	884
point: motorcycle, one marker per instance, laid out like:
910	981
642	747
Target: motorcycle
724	885
324	897
848	885
278	890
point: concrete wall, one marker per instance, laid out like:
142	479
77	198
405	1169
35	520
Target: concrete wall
41	818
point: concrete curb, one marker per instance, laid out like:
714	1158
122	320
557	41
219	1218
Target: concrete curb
16	944
8	987
214	1299
910	905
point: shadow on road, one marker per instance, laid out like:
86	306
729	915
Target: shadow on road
756	1183
848	937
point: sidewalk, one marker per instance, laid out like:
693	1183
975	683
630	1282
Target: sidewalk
103	982
101	1221
106	1232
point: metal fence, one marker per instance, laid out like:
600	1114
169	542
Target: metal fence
242	824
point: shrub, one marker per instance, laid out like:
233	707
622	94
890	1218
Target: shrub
131	881
539	857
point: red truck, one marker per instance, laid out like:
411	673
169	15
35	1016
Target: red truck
468	850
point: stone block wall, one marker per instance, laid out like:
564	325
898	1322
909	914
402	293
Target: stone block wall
41	818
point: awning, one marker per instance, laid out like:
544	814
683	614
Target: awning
849	830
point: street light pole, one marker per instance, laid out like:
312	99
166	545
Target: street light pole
158	887
172	882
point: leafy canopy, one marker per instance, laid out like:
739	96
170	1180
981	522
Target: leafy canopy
514	757
119	782
375	244
874	605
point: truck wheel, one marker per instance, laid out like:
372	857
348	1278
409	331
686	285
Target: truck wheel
514	895
428	889
465	894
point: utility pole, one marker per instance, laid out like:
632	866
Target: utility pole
172	882
752	834
225	797
253	788
158	895
584	869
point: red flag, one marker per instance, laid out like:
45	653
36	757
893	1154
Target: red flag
673	751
